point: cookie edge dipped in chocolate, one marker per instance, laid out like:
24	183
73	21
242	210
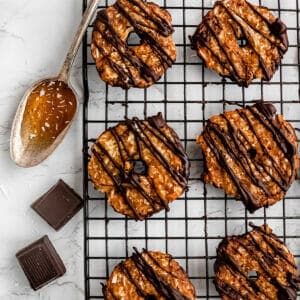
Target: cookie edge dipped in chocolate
162	287
50	255
163	28
266	115
171	140
277	28
74	201
284	292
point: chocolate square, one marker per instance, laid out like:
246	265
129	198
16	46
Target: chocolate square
40	263
58	205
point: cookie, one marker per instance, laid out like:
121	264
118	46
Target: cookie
139	66
149	275
261	253
251	154
241	41
140	165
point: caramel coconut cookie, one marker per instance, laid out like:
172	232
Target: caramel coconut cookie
140	165
139	66
241	41
251	153
261	253
149	275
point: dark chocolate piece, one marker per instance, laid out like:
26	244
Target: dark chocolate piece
58	205
40	263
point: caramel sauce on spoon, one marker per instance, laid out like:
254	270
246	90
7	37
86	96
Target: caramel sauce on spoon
49	109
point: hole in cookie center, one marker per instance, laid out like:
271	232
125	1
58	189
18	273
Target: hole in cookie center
139	167
133	40
253	275
242	42
252	153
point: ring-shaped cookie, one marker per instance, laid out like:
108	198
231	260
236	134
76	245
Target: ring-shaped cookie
241	41
141	65
149	275
140	165
256	266
251	153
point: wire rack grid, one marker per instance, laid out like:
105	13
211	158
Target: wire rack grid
187	95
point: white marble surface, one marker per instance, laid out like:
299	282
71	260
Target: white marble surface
34	38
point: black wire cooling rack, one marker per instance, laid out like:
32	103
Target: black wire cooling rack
187	95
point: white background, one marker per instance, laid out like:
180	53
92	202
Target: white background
34	37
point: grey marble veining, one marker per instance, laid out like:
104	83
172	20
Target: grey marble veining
34	38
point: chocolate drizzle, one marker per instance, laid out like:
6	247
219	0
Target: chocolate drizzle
147	26
162	287
143	132
229	146
235	64
162	26
272	262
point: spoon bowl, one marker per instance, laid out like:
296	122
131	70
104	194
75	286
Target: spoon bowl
26	151
47	109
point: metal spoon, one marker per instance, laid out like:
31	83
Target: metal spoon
47	109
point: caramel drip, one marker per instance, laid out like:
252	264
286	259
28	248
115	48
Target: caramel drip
266	261
228	143
151	22
142	132
49	109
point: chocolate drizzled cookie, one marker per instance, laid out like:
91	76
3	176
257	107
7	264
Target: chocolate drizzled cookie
140	165
149	275
256	266
251	153
140	66
241	41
